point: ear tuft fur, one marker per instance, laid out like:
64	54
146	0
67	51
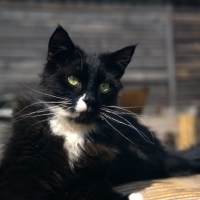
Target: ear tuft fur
117	61
60	47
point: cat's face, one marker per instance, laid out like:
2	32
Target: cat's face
82	84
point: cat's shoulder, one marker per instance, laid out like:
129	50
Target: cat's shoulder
26	104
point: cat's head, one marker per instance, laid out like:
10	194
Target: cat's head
81	84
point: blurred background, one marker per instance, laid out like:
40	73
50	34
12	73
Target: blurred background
162	83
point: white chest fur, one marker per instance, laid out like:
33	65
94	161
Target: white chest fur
73	133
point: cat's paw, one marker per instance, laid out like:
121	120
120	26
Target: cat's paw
135	196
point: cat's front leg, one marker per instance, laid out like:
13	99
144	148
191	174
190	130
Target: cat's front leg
98	190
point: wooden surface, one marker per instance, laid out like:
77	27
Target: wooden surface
183	188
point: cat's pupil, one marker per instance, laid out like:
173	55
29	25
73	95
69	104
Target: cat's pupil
73	80
104	87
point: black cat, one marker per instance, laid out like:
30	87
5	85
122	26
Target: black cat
69	140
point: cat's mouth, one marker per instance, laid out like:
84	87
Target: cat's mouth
83	111
88	116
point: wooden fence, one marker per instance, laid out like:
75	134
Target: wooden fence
25	30
187	51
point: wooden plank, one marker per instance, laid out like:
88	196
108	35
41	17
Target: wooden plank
192	98
187	37
188	73
187	40
128	77
16	88
7	65
20	78
182	188
170	58
187	135
147	77
188	49
78	6
86	30
97	23
187	16
188	64
194	32
141	51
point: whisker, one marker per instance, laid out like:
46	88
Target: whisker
133	115
36	123
41	102
26	108
47	109
152	135
131	126
120	108
113	112
127	112
31	115
40	115
103	118
44	93
20	118
34	116
128	106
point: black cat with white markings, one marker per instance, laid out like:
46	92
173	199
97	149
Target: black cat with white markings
70	141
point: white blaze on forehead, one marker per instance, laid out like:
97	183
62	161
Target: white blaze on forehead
81	105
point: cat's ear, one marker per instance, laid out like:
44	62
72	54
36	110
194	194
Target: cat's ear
117	61
60	46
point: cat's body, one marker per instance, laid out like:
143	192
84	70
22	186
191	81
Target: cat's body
70	141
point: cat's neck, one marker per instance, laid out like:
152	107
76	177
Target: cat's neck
74	134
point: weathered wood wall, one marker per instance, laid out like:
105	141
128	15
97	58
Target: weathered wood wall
187	50
24	34
25	30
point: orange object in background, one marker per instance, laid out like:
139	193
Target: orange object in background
133	99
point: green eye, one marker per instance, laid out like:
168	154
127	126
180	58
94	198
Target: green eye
73	80
104	87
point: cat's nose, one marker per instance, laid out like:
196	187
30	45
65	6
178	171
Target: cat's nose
89	99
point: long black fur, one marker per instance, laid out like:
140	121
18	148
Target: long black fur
35	165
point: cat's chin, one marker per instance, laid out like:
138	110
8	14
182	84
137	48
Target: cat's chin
85	117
